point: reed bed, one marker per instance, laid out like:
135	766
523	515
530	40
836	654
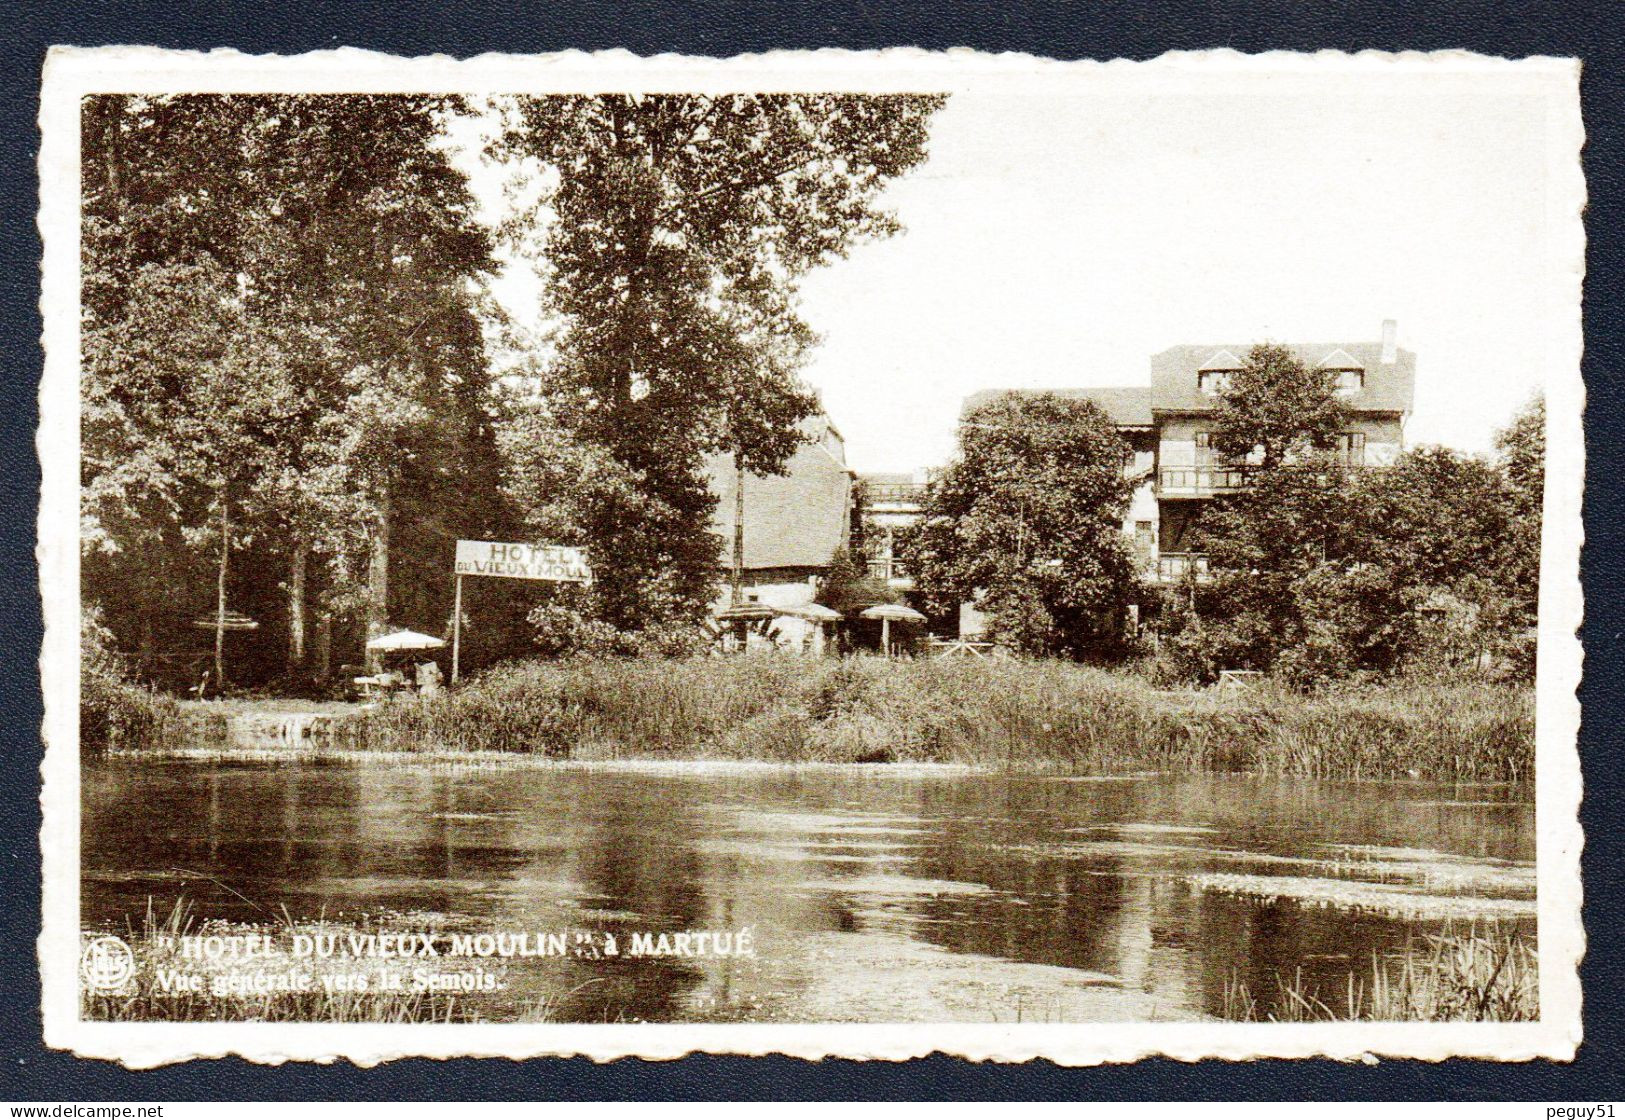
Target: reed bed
117	715
1012	715
1472	977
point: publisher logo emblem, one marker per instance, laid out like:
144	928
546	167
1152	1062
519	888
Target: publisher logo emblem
107	964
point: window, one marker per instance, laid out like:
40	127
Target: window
1351	446
1204	449
1349	380
1212	382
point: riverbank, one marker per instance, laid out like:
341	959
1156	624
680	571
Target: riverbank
1004	715
1007	715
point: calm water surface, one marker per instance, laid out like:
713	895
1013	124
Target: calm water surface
872	893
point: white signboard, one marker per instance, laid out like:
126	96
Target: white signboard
522	561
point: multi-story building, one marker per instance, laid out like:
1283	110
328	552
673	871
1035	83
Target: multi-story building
890	504
1169	425
793	522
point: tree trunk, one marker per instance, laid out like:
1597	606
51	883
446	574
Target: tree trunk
220	596
296	605
149	647
324	646
378	573
739	531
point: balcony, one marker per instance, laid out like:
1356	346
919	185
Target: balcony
1174	566
894	493
1199	482
892	570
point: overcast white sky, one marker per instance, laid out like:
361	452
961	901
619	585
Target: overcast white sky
1060	240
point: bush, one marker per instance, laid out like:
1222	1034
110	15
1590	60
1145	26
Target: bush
563	631
113	712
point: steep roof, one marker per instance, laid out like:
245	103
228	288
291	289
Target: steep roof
1128	406
795	520
1388	388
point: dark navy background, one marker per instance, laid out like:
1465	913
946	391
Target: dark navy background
1111	28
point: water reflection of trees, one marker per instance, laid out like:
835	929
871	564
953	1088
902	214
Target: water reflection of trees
1125	909
551	850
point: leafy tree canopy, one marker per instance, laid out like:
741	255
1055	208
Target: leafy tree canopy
1275	407
1432	517
1521	446
1029	519
675	231
278	322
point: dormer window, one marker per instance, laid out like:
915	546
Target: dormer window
1347	374
1213	375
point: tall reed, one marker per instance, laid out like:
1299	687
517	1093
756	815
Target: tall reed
1444	977
1021	715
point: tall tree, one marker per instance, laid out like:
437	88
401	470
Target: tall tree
1319	572
1028	521
338	239
1287	533
677	229
1275	407
1433	517
1521	449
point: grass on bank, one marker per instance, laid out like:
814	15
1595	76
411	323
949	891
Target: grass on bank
1016	715
117	715
1447	977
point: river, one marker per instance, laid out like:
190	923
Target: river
870	893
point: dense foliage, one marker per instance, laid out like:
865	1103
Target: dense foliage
289	405
1027	522
675	231
282	362
1320	572
1275	408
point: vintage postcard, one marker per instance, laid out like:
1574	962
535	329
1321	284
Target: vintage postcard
823	554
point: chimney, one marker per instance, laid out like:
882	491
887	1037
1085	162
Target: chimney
1390	341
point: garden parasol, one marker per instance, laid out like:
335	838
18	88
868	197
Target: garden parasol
820	616
814	612
747	612
402	640
888	613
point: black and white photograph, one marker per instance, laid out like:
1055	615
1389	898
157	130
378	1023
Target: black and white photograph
840	554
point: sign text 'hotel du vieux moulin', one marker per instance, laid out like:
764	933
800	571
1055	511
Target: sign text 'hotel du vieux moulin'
522	561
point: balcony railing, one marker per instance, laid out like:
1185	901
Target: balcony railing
1173	566
1200	481
887	568
894	493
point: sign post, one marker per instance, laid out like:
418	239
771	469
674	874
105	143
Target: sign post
456	627
504	560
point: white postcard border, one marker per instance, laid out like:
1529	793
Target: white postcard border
71	73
